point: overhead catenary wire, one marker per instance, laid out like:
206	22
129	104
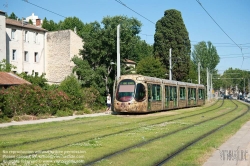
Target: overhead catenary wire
44	8
218	24
222	30
119	1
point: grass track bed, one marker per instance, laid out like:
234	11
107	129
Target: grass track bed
39	136
115	133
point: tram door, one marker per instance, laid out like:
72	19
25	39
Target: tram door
149	96
154	97
173	96
167	97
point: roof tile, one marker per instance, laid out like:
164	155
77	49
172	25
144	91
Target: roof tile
7	78
19	24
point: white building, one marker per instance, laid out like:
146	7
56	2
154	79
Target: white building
35	20
33	49
2	36
25	46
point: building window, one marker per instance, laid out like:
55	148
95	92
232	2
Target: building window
26	56
26	37
13	34
36	57
14	55
35	37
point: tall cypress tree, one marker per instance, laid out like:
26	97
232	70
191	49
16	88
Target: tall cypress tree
171	33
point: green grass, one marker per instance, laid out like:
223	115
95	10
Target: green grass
88	139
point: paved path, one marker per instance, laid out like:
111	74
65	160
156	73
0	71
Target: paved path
235	151
14	123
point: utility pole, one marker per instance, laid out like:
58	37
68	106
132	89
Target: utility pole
208	85
170	65
244	88
248	85
118	52
199	73
211	87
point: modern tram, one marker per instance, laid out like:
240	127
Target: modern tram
142	94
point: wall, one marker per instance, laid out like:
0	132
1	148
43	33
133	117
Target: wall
61	47
2	36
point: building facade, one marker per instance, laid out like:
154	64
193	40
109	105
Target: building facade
25	47
2	36
62	46
33	49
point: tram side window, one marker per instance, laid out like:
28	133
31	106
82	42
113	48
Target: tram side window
140	92
191	93
182	93
201	94
194	93
172	91
156	92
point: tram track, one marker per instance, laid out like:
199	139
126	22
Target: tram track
108	128
154	139
180	150
114	133
71	124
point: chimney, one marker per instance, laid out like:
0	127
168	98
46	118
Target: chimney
38	22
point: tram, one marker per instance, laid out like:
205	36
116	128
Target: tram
141	94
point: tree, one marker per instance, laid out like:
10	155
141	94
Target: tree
83	71
49	25
193	73
206	54
5	66
171	33
13	16
30	22
99	48
72	23
235	77
150	66
141	50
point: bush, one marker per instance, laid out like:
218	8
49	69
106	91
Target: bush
24	99
35	79
31	100
66	112
85	111
91	97
72	88
57	100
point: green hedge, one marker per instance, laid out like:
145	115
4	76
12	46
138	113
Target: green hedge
31	100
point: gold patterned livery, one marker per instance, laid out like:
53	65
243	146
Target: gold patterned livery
142	94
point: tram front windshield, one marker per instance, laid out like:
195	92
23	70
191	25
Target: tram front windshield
125	91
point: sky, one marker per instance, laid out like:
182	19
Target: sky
226	23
